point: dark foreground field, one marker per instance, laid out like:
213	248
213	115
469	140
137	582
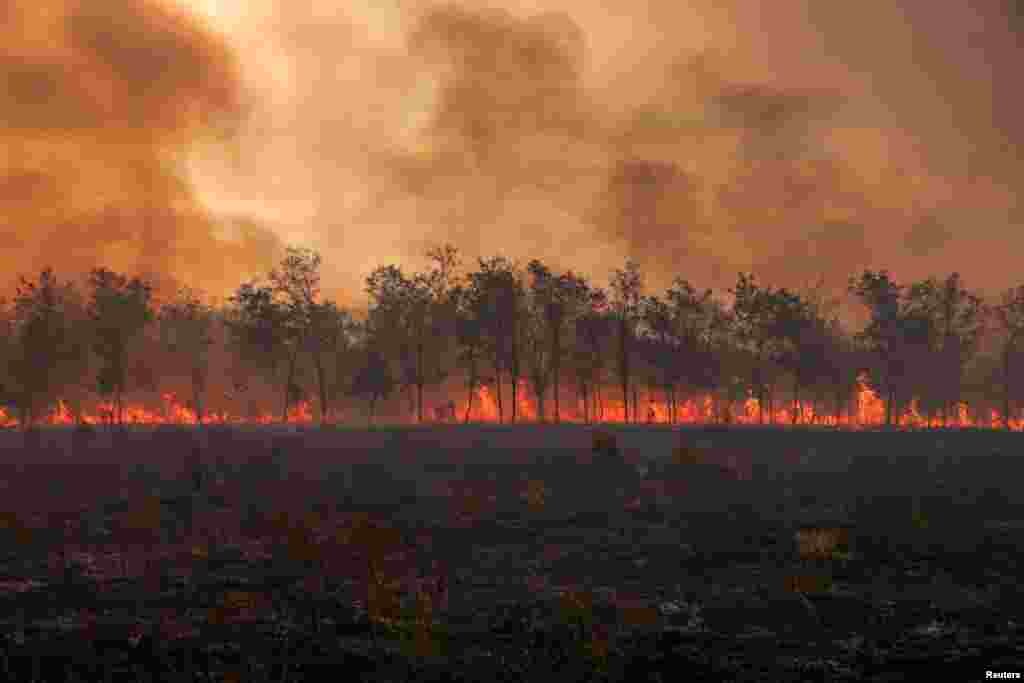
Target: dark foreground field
502	553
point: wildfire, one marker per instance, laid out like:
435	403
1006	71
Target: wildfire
867	410
172	412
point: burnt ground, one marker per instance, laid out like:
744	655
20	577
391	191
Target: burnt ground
126	554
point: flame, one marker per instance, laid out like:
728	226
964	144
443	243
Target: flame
172	412
868	410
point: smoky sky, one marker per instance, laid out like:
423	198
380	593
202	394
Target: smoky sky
799	139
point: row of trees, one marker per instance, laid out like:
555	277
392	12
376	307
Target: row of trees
507	326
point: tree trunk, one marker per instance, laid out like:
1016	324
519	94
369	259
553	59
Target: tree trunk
556	346
419	382
890	397
469	403
497	385
288	386
1006	387
515	397
321	382
760	395
539	392
797	410
197	394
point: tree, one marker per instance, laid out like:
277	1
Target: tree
1009	318
693	321
496	293
307	322
627	287
262	335
186	330
558	301
49	352
373	380
119	310
470	342
330	342
957	318
537	353
899	335
591	330
418	315
764	320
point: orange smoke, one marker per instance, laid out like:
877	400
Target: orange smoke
101	103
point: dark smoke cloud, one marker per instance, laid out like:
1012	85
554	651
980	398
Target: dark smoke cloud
97	101
795	138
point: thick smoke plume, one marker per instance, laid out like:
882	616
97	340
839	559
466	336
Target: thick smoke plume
99	103
798	139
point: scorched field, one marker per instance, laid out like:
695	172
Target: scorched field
486	552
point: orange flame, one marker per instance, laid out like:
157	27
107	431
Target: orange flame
867	410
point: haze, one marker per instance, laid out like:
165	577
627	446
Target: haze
796	139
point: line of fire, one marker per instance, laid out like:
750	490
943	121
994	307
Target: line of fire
507	343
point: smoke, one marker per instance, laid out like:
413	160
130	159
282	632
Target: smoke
795	138
98	103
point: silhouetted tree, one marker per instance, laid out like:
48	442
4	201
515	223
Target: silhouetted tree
592	330
1009	318
119	310
418	313
882	296
957	319
497	291
330	343
627	289
263	336
762	324
470	341
186	325
373	380
48	349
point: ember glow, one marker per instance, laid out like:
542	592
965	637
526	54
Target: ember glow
866	412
